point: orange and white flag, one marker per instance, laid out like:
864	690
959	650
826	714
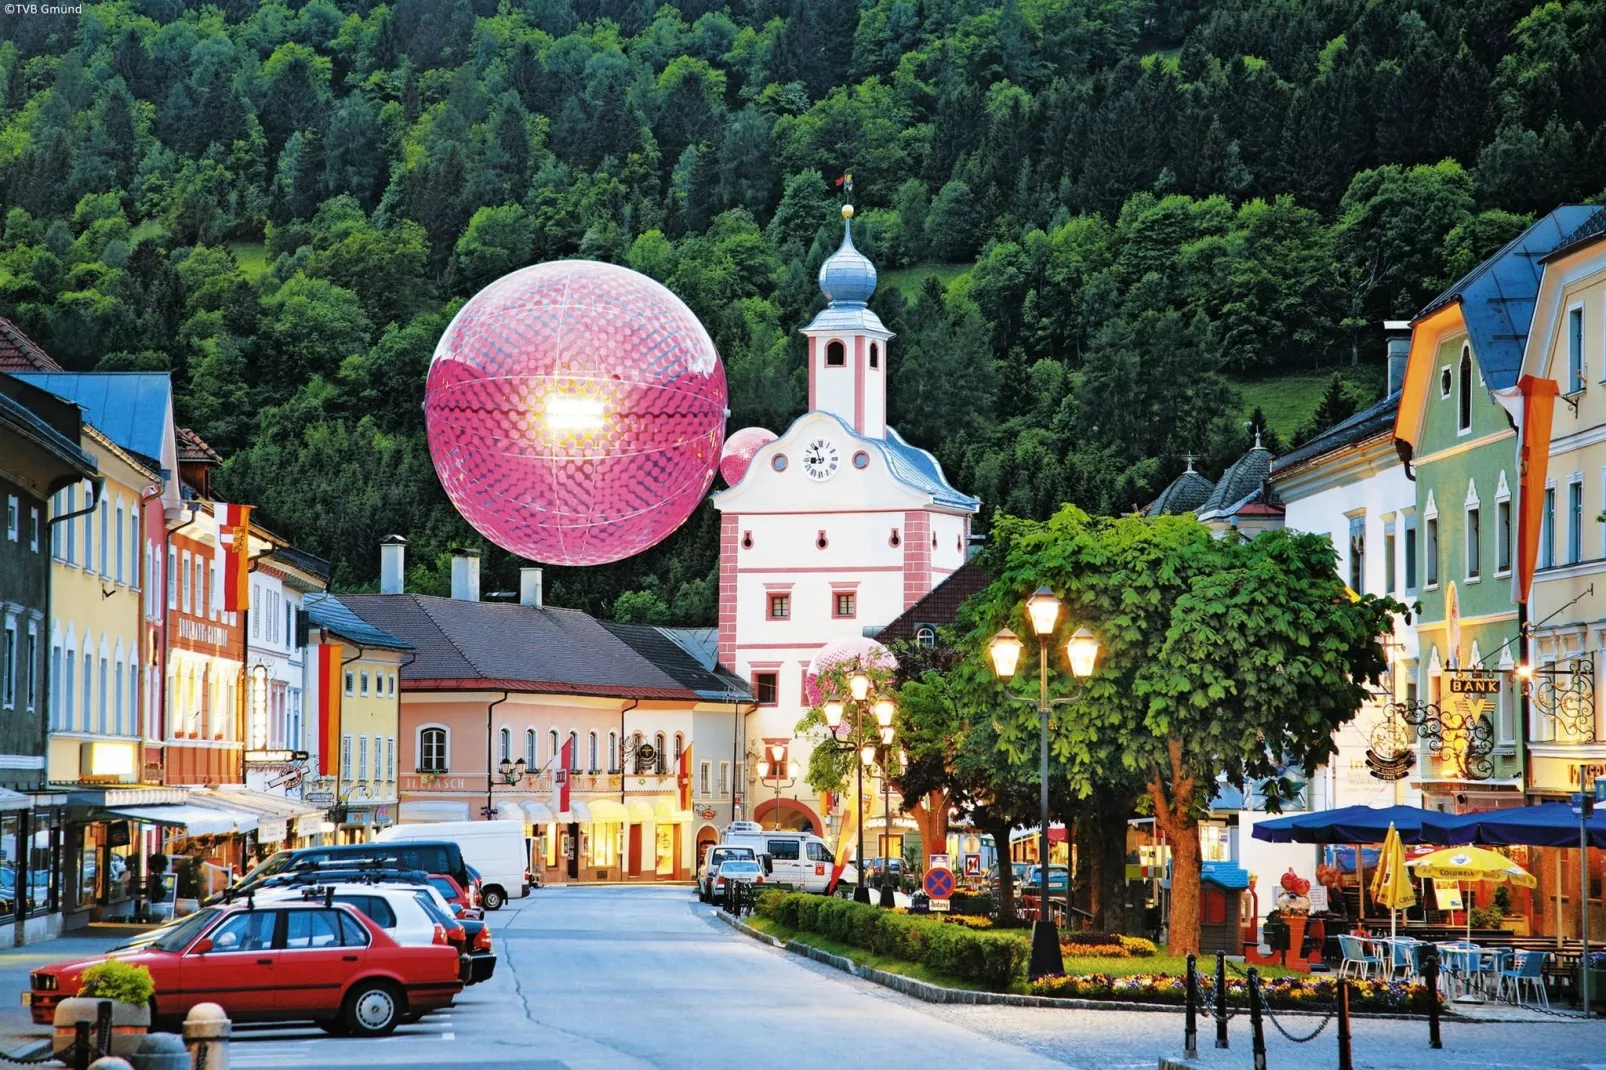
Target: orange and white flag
847	835
234	554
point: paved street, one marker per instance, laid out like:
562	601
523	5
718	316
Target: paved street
595	978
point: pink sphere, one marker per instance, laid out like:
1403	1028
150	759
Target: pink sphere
855	650
739	450
575	412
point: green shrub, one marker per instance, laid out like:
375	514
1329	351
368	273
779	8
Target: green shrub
118	981
769	902
863	921
901	937
786	909
808	912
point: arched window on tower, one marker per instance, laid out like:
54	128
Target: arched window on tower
835	355
661	762
875	355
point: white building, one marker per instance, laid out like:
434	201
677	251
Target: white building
277	672
837	526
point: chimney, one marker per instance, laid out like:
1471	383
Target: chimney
465	574
392	564
530	593
1399	342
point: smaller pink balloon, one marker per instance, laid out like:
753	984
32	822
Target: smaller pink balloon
856	650
739	451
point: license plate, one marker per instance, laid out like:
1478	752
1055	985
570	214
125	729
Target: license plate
27	999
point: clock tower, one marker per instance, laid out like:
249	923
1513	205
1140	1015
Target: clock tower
829	531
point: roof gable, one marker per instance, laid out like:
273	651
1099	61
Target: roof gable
133	409
19	353
940	605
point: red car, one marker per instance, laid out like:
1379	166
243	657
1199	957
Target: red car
282	962
462	902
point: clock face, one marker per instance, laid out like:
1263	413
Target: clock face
820	459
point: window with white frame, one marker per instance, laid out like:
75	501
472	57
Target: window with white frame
120	574
33	528
13	517
591	752
30	670
363	678
345	758
1390	549
574	752
8	665
350	678
1463	413
1357	553
529	750
705	773
1411	552
432	749
105	535
1502	535
71	526
1474	536
1575	520
1575	349
172	578
1430	550
202	604
89	532
613	752
55	686
552	748
1547	530
133	545
724	779
186	574
504	745
390	759
660	760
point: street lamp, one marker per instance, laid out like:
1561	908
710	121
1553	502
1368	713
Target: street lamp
881	756
785	774
1004	651
864	706
512	772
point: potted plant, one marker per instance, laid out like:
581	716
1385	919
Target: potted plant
129	988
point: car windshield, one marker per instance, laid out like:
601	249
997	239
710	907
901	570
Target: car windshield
435	913
266	868
739	867
178	936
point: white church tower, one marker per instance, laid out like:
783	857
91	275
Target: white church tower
834	528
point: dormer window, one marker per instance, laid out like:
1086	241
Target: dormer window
835	355
875	355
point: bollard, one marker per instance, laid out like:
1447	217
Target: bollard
103	1028
1345	1062
1221	999
1190	1030
160	1051
110	1062
81	1044
206	1034
1430	975
1257	1028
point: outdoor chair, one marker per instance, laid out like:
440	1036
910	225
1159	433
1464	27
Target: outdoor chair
1407	961
1359	961
1529	971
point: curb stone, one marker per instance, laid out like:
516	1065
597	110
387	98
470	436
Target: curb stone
930	993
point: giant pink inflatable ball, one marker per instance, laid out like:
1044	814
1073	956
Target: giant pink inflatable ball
575	412
739	451
857	651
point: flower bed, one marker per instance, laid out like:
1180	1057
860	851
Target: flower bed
1282	992
1105	946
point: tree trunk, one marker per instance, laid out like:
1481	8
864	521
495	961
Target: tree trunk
1171	791
999	831
1109	915
931	818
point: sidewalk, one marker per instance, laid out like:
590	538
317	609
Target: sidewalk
17	1030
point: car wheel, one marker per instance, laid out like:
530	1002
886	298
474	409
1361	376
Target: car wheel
492	898
335	1027
374	1009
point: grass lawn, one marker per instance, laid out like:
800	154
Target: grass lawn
908	281
1175	965
252	256
151	228
1289	400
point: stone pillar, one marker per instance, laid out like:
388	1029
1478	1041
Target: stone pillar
206	1035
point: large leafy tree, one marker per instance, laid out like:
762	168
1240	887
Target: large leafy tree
1217	656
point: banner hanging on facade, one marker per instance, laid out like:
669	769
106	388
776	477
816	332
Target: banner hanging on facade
329	692
233	554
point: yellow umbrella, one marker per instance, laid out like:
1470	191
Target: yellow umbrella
1392	885
1469	864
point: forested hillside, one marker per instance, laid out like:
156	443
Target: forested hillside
1150	201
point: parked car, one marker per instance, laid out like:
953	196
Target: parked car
283	961
711	862
798	859
736	869
1059	881
461	901
432	856
1018	869
498	849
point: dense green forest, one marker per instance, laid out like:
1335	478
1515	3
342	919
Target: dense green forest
1150	203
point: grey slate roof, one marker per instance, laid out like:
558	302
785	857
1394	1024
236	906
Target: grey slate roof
130	408
462	645
329	612
916	468
19	419
1593	229
940	605
1497	296
661	647
1376	419
1186	493
1242	478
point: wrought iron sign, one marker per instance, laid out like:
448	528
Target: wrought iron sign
1565	693
1462	733
1393	751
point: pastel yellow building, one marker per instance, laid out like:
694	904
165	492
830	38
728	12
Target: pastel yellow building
357	708
1566	737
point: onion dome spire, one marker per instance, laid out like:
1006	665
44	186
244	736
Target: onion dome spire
847	278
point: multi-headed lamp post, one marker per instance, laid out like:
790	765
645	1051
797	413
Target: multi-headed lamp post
1083	650
783	770
859	689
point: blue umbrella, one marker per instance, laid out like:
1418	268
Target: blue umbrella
1362	824
1552	824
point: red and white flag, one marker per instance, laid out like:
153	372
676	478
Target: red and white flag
560	777
233	554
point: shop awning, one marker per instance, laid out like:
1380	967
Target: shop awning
537	813
423	811
509	811
609	812
13	800
641	810
264	802
194	820
578	813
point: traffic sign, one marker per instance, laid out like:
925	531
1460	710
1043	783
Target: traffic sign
941	905
939	882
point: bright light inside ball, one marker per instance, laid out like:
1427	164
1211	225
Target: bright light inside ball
571	413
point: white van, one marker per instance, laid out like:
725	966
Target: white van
800	859
497	849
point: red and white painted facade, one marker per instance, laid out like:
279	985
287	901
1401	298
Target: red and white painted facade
836	527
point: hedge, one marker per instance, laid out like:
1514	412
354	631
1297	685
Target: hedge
993	959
